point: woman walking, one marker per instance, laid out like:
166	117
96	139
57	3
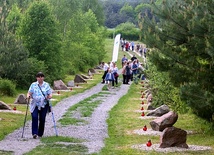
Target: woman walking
109	78
40	92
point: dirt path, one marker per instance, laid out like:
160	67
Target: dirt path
93	133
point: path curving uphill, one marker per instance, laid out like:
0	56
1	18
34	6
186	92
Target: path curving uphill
93	133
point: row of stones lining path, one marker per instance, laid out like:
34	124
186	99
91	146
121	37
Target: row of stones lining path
94	132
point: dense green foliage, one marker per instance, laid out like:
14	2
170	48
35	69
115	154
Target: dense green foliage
182	48
15	64
122	11
97	8
128	31
56	37
7	87
40	36
65	37
84	44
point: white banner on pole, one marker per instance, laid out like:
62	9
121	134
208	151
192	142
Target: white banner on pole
116	48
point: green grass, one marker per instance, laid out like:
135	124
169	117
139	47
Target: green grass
85	109
123	119
59	145
11	121
109	48
47	140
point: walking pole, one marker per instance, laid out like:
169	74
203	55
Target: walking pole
28	99
53	119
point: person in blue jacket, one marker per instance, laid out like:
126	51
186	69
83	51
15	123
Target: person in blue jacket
109	78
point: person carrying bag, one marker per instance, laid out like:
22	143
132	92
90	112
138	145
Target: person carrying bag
40	92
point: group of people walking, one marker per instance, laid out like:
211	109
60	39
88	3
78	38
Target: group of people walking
130	69
130	45
40	91
110	75
126	45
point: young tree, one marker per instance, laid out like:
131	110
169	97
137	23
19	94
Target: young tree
128	12
14	18
83	46
63	11
128	31
40	36
183	44
96	8
15	64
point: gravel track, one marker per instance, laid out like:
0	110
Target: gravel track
93	133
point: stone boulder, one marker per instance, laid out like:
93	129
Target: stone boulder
89	73
147	92
150	107
85	76
167	120
59	85
79	79
98	67
4	106
71	84
159	111
93	71
173	137
149	98
21	99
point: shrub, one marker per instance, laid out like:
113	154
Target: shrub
7	87
26	74
110	33
128	31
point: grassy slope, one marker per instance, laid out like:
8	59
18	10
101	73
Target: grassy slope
124	119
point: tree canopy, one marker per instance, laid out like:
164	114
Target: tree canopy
182	41
51	36
41	38
122	11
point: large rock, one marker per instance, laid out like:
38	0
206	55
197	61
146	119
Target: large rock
79	79
59	85
71	84
98	67
173	137
167	120
159	111
150	107
93	71
149	98
85	76
147	92
21	99
89	73
4	106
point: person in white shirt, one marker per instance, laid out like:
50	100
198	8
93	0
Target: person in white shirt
105	69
